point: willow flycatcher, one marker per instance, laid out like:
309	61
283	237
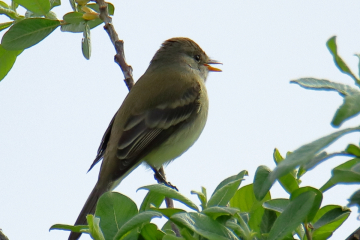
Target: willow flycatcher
161	117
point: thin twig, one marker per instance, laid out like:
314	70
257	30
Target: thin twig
127	71
308	231
118	44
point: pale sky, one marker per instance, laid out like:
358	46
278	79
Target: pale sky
55	105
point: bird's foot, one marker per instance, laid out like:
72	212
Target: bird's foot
161	179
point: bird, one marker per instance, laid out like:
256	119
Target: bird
161	117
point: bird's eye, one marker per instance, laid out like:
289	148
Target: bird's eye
197	58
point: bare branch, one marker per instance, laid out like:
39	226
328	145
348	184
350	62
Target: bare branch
118	44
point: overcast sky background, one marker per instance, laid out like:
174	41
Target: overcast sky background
55	105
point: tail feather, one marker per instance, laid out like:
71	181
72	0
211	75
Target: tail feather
89	208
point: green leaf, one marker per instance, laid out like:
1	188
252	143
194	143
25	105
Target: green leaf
203	190
54	3
267	221
294	214
321	236
355	200
73	5
77	228
300	173
245	231
316	203
131	235
341	65
41	7
245	200
323	156
202	199
288	181
300	231
73	17
317	160
114	209
150	232
94	23
5	25
330	216
261	182
350	108
79	27
353	149
215	212
265	179
170	237
347	172
277	205
322	84
239	176
151	198
170	193
277	156
168	212
327	220
14	5
28	32
244	216
51	15
167	228
95	7
94	227
86	43
135	222
73	27
4	5
187	235
7	59
237	229
30	14
10	13
358	56
203	225
223	195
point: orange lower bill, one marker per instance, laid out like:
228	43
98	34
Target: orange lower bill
212	69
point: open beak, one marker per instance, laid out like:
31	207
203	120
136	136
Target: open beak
213	69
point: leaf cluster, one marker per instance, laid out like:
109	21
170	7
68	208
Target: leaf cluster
39	21
230	213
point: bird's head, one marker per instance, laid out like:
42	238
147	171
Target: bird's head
186	52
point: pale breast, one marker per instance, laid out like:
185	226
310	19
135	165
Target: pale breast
181	140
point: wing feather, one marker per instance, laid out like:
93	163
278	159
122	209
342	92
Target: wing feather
104	141
149	129
145	128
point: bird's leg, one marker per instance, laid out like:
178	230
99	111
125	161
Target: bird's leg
159	175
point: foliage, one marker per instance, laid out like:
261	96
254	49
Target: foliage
248	212
39	21
230	213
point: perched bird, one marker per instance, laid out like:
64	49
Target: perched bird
161	117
